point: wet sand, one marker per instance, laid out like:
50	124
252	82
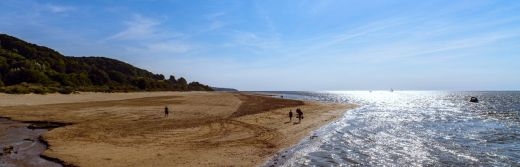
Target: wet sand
26	144
203	128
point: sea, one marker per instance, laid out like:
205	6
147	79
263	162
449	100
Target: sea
412	128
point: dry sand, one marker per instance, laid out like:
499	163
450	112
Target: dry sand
203	129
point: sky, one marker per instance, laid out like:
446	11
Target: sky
310	45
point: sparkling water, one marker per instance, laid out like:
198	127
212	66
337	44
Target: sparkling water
412	128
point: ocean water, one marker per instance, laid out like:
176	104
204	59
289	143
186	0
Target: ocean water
412	128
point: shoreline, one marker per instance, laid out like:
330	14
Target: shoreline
252	134
285	153
48	126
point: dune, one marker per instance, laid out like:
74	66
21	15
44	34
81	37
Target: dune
202	129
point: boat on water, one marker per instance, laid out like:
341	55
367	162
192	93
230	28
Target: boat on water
473	100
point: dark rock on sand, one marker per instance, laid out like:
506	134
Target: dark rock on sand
8	150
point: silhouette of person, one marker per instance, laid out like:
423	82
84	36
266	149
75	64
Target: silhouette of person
166	112
290	115
300	114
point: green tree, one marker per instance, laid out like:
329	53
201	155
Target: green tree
158	76
182	81
59	66
199	87
98	77
172	83
31	76
80	79
182	84
117	76
142	83
4	67
60	78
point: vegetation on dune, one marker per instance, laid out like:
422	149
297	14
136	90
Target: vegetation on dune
26	68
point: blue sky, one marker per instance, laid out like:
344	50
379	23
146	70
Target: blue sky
289	45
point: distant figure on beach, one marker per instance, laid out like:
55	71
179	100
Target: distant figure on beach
300	114
290	115
166	112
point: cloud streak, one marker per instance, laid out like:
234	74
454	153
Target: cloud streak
59	8
138	27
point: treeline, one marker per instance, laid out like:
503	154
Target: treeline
26	67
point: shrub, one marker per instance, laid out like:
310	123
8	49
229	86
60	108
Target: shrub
52	89
66	90
17	89
39	90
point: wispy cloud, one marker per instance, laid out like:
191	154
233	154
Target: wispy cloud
138	27
214	22
214	15
148	39
317	7
170	47
393	39
255	41
54	8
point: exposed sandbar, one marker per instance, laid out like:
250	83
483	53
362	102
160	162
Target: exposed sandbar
203	128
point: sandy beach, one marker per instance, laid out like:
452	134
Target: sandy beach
203	128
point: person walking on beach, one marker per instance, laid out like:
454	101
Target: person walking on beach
166	112
290	115
300	115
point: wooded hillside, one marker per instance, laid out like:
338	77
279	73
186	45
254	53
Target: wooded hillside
26	67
